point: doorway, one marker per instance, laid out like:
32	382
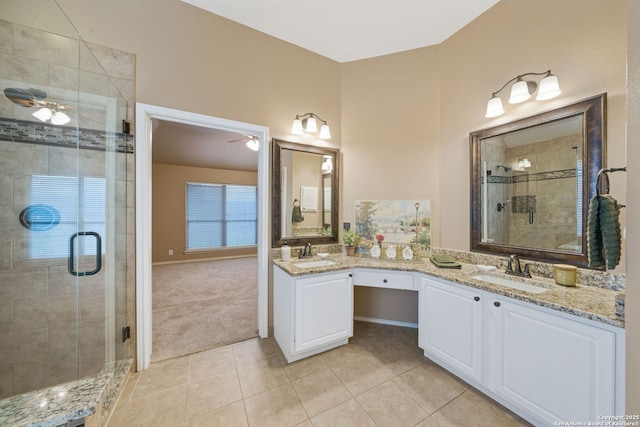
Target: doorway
144	129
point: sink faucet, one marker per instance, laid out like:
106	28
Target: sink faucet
306	252
513	267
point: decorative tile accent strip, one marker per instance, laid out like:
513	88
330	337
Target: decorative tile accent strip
528	177
42	133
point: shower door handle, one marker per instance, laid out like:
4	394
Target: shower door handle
72	268
531	216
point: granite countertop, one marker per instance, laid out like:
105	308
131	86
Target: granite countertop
54	406
590	302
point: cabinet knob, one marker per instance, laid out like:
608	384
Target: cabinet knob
476	298
350	274
384	280
497	303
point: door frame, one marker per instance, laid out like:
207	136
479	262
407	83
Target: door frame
143	186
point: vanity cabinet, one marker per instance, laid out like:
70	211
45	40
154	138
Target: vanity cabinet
312	314
556	368
451	322
547	367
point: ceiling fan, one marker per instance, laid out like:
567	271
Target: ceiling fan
48	110
253	142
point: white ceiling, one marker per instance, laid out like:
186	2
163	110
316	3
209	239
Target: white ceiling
349	30
186	145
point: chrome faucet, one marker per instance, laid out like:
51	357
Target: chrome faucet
306	252
514	268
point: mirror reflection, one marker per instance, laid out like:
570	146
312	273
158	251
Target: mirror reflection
304	194
532	187
531	182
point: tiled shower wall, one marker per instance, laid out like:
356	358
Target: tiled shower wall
548	188
38	298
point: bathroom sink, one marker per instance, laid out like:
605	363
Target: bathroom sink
312	264
509	283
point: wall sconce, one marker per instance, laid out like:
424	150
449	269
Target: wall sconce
522	90
307	123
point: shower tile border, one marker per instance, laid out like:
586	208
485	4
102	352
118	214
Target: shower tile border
40	133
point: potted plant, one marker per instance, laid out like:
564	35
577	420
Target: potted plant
350	239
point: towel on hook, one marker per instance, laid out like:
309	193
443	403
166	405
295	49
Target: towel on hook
603	232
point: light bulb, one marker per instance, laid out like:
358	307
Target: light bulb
296	128
519	92
60	118
311	126
253	144
43	114
549	88
494	107
325	132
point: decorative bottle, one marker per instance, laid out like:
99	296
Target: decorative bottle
285	251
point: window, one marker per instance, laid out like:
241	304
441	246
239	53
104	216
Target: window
220	216
80	203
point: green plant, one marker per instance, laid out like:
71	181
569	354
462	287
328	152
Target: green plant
350	238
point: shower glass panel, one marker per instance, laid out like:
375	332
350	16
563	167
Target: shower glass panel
63	171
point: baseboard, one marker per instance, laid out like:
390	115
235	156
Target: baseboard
386	322
185	261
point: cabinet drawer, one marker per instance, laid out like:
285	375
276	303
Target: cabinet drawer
384	279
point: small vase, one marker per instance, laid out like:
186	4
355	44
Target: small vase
350	250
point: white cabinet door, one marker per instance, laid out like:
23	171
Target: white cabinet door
323	310
553	367
451	326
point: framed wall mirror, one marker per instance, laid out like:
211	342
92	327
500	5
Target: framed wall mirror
305	184
532	179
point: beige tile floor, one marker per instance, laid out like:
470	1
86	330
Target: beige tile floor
380	378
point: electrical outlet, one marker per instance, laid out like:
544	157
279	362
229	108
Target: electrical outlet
170	251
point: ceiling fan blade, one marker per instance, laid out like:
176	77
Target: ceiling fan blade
240	140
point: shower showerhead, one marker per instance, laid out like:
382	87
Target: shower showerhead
506	169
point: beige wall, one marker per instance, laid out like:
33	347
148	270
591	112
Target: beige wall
407	117
192	60
632	310
168	210
583	42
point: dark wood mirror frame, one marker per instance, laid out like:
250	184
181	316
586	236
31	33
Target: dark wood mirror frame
276	192
593	112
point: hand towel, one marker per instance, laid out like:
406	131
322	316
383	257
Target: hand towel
445	262
603	232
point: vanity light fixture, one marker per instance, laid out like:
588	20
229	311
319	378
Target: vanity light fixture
522	90
306	123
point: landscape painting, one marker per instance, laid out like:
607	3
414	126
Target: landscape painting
394	221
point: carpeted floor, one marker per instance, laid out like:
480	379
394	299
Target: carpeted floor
203	305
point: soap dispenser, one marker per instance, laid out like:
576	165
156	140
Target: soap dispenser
285	251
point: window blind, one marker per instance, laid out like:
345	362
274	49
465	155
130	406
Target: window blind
220	216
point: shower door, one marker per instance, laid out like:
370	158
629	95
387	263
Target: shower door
62	206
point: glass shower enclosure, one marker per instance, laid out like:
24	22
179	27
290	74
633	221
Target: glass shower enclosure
63	198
